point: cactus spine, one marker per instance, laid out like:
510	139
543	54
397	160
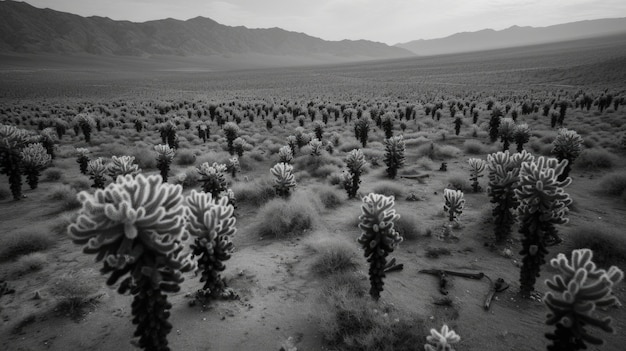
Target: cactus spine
477	166
580	287
34	160
378	237
394	155
442	340
543	204
355	161
284	179
136	226
454	203
212	225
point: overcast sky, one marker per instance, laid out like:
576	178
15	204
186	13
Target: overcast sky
388	21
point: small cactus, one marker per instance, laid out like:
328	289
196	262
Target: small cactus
233	166
121	166
477	166
34	160
454	203
579	288
355	161
285	154
212	178
165	155
378	237
96	170
442	340
567	146
394	155
284	179
240	145
82	159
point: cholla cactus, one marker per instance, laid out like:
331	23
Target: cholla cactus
121	166
521	135
477	166
378	237
361	129
212	178
231	131
96	170
394	155
86	123
302	138
168	134
233	166
203	132
82	159
165	155
387	124
442	340
239	145
12	140
580	288
355	161
284	179
506	129
567	146
48	138
212	225
34	160
316	147
136	226
454	203
543	204
318	128
503	180
285	154
292	143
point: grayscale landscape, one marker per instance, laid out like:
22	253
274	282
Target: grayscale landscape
173	182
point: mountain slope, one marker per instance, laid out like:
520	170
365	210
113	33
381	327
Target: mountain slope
26	29
488	39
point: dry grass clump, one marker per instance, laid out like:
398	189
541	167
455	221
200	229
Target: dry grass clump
614	184
607	243
333	258
329	196
145	158
459	182
473	147
317	166
66	194
388	188
188	178
593	159
52	174
435	151
349	146
409	227
255	193
185	157
280	218
75	291
16	244
32	262
349	320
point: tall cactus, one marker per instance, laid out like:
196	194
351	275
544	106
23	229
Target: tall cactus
165	155
211	223
82	159
394	155
503	180
212	178
543	204
136	226
567	146
355	161
453	203
34	160
378	237
284	179
442	340
580	287
12	141
477	166
121	166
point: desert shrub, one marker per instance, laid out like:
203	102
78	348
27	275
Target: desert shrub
459	182
29	263
185	157
75	291
435	252
317	166
434	151
60	224
388	188
255	193
350	321
329	197
51	175
607	243
5	193
66	194
335	258
335	178
79	184
16	244
592	159
349	146
188	178
408	227
473	147
613	184
280	218
144	157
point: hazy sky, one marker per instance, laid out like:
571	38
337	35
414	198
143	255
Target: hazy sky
388	21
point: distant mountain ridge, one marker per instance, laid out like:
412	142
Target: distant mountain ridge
488	39
30	30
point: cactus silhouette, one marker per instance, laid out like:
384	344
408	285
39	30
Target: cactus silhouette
284	179
567	146
211	224
579	288
34	160
355	161
378	237
136	226
394	155
543	204
442	340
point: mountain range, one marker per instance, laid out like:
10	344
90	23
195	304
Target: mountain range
489	39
